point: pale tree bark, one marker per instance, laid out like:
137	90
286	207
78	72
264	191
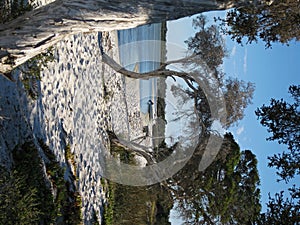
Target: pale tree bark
32	33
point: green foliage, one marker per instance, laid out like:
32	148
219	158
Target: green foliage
70	157
164	204
108	213
119	151
226	192
17	205
282	210
125	156
31	72
25	198
9	12
136	205
282	120
67	200
271	21
29	164
207	43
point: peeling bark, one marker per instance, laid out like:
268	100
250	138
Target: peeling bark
35	31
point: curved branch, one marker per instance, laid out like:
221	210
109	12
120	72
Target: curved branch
155	73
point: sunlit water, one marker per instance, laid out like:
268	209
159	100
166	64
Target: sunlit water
140	50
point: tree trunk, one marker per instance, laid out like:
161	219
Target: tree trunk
35	31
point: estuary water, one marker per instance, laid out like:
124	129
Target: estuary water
140	51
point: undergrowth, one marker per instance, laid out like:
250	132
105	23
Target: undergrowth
35	192
31	72
10	10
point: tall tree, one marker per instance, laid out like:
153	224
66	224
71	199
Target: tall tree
282	120
193	97
32	33
206	53
226	192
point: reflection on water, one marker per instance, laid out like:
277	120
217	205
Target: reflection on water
135	51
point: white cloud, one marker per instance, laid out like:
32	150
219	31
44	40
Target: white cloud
233	51
240	130
245	61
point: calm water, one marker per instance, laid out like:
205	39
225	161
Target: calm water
140	49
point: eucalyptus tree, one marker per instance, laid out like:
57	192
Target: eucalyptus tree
37	30
204	85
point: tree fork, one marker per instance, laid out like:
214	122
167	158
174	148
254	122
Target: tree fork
37	30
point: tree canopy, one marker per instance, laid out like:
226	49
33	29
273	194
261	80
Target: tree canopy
282	210
226	192
282	120
269	20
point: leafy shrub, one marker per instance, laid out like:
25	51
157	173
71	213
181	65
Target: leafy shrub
24	196
31	71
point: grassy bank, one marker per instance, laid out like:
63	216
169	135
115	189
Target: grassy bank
126	205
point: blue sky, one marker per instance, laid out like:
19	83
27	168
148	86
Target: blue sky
272	71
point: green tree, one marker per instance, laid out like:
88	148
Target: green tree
269	20
19	202
25	197
282	210
248	193
282	120
226	192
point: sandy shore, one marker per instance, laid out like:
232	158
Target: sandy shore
80	98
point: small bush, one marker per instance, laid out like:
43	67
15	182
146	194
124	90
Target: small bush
108	214
31	71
